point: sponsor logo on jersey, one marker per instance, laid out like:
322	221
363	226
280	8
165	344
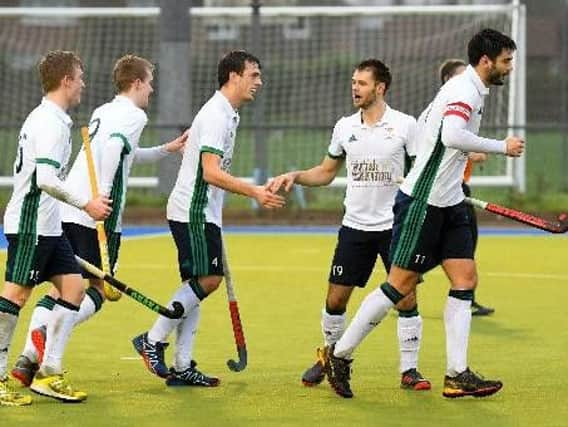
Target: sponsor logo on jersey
371	172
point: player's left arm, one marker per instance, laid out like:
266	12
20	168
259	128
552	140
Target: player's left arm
153	154
458	111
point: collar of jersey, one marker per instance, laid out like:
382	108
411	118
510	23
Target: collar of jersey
383	121
59	112
130	102
231	112
482	89
126	100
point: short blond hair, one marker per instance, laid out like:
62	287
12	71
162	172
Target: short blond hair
449	67
128	69
55	66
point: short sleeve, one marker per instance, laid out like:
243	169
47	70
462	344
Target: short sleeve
335	149
129	131
49	145
212	138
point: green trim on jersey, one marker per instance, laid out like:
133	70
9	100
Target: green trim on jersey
334	157
416	214
207	149
423	184
27	234
113	246
45	161
116	195
124	139
197	224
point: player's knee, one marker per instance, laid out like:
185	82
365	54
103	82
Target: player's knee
336	302
408	302
210	284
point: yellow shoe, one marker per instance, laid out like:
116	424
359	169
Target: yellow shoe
111	294
10	397
56	386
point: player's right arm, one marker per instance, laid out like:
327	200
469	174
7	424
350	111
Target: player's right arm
317	176
321	174
214	175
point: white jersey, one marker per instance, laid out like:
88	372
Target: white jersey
45	139
119	121
438	170
375	158
213	130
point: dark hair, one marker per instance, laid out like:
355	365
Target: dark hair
448	69
488	42
55	66
381	72
234	62
128	69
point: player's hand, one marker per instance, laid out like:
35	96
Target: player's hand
515	146
267	199
285	180
99	208
177	144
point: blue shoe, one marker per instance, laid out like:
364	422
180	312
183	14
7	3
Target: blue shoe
152	354
191	377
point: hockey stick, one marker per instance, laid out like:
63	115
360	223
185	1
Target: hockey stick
110	293
175	313
559	226
235	319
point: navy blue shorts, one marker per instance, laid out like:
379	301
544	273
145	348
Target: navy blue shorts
356	254
200	249
35	259
85	243
425	235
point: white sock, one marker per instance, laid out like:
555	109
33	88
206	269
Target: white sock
409	338
163	326
332	326
373	309
457	319
40	317
185	336
91	304
59	329
7	326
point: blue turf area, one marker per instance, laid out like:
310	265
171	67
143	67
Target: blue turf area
140	231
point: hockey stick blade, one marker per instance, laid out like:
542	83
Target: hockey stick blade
241	364
175	312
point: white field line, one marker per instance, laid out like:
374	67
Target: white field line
323	270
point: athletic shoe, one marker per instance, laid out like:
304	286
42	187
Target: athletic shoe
56	386
338	373
10	397
152	354
470	384
39	336
24	370
413	380
191	377
480	310
315	375
111	293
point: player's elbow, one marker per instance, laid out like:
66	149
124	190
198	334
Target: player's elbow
451	138
210	176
